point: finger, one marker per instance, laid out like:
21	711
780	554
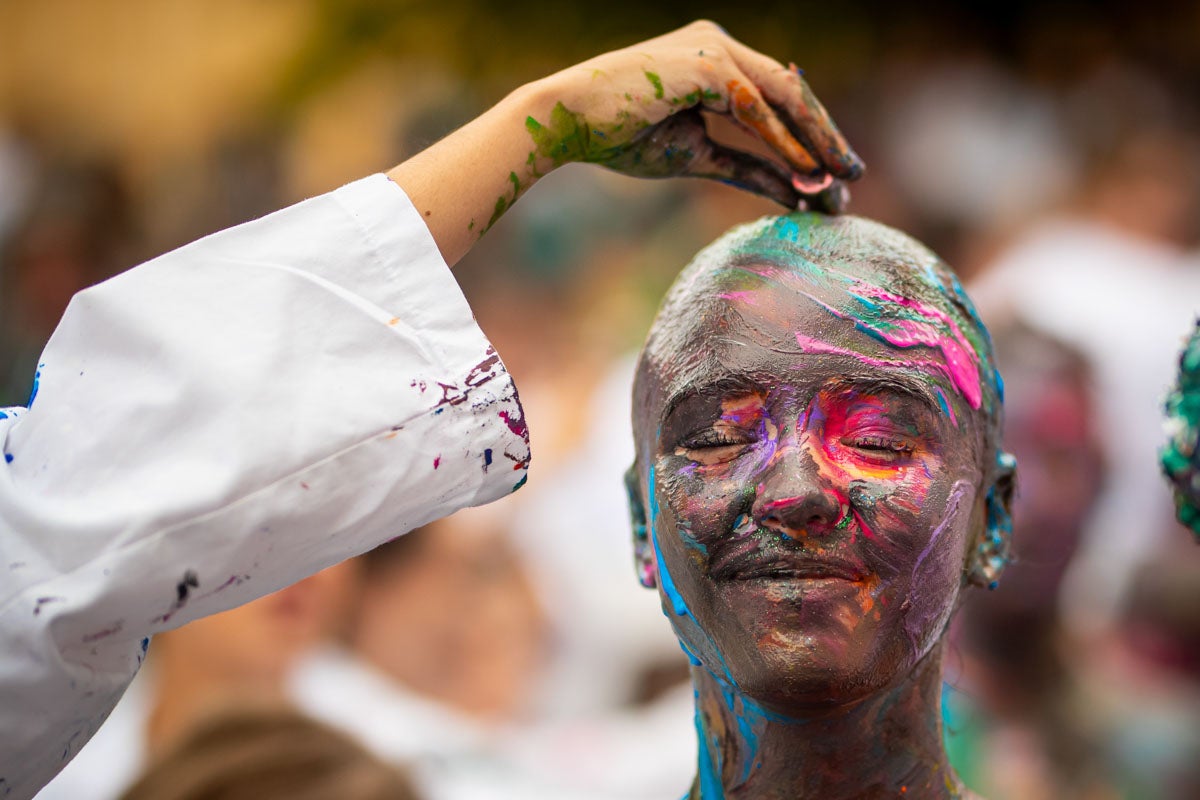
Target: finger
749	172
832	200
785	89
747	106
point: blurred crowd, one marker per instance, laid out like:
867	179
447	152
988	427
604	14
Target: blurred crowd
508	651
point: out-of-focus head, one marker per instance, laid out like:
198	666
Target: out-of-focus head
450	612
251	647
817	417
269	754
1051	426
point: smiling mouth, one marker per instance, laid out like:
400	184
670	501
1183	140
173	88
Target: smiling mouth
794	570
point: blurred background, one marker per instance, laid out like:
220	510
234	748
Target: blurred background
1048	150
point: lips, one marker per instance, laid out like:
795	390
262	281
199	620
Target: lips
757	565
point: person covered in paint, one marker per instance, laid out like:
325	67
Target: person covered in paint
1180	456
236	415
818	480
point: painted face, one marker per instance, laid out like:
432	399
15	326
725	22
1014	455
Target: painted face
812	477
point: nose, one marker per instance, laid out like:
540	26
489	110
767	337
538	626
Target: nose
794	500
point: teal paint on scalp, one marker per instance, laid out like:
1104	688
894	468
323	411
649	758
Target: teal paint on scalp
827	250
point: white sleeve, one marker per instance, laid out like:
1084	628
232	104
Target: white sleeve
221	422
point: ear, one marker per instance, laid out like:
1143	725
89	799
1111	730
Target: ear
993	550
643	548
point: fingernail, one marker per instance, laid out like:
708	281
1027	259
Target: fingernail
833	200
811	184
854	166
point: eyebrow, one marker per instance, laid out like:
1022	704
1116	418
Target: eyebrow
893	384
744	384
723	386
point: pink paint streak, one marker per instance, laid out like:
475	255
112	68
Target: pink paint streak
749	297
516	424
962	366
811	345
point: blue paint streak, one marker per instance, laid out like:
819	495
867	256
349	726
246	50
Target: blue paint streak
999	520
692	544
678	605
941	399
487	457
871	304
691	657
3	415
950	717
521	482
750	716
8	458
37	379
787	228
710	773
874	334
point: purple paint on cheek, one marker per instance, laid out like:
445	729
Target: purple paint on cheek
956	495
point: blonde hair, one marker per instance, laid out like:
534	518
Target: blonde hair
270	755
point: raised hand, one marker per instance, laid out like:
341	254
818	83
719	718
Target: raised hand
640	111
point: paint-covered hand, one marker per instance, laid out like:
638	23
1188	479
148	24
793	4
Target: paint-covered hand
640	111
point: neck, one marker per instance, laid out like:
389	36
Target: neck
886	745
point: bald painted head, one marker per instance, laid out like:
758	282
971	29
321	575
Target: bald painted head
817	418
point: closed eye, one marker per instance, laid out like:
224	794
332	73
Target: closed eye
714	445
884	448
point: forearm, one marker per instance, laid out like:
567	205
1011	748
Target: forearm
465	182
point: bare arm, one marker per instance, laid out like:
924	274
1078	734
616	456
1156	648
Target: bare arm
637	111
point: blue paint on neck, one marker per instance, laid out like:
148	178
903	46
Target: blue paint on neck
678	605
711	787
749	716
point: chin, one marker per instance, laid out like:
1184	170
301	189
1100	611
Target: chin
797	663
793	671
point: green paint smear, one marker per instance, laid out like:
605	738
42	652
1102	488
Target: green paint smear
1180	457
656	82
568	137
503	203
